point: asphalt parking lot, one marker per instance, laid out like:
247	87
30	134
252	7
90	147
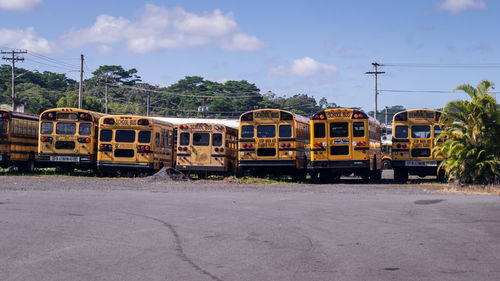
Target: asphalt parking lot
78	228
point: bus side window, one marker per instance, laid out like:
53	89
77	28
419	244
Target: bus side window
157	139
170	138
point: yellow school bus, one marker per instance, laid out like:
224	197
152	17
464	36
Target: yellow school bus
386	150
273	141
413	135
68	138
18	140
205	148
134	143
343	142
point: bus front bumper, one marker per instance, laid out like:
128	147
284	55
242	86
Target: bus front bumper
266	163
101	164
339	164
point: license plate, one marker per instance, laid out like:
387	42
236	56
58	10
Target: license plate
421	163
64	158
341	141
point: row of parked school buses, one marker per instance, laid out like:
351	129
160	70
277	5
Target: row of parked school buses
333	143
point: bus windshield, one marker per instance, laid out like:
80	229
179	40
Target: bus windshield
66	128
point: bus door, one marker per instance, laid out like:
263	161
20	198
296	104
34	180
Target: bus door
124	146
267	145
201	148
339	140
286	142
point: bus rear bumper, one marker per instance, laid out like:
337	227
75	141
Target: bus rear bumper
201	168
266	163
103	164
66	159
340	164
420	168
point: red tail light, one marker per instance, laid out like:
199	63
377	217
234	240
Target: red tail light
87	140
399	145
185	148
404	145
288	145
221	149
216	149
250	145
245	145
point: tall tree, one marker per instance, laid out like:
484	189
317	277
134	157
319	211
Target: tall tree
471	146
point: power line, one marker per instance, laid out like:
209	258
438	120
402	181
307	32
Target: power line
449	65
425	91
182	95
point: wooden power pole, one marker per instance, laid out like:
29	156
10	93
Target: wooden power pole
375	72
13	59
80	89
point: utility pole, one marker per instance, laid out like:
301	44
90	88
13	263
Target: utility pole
80	89
148	102
13	58
375	72
386	120
106	95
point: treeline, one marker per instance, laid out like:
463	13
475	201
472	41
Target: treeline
192	96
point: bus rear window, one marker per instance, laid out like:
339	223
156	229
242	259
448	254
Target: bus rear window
66	128
401	132
184	139
266	131
438	130
421	132
339	130
144	136
285	131
201	139
125	136
47	128
319	130
247	131
85	129
106	135
217	139
358	129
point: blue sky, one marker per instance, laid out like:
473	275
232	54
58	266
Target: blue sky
319	48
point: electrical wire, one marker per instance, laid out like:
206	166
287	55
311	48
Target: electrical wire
450	65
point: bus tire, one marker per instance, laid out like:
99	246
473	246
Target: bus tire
400	175
375	175
28	166
386	164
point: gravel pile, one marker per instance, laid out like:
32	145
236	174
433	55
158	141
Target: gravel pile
167	174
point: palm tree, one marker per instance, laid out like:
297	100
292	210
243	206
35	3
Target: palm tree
471	139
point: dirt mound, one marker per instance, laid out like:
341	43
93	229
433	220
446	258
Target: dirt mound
167	174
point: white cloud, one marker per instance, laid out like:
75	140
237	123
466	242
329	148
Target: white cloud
19	5
158	28
460	6
304	67
25	39
242	42
104	49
